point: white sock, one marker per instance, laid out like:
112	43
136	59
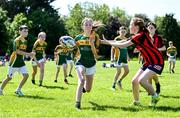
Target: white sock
18	89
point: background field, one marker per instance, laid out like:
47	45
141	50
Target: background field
58	99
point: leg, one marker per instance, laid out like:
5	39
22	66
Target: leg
135	85
81	80
170	66
71	67
118	72
41	73
143	80
4	82
65	73
156	80
126	71
173	65
57	73
88	83
34	74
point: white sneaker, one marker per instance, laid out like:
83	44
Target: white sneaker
1	92
19	93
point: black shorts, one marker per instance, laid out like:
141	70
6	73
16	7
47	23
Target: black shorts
157	68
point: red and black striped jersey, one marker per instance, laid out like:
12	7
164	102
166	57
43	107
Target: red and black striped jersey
150	53
158	42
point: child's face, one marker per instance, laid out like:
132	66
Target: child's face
122	32
42	37
87	25
151	29
23	32
133	28
170	44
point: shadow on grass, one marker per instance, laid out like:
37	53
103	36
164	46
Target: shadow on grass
96	106
54	87
166	96
72	84
38	97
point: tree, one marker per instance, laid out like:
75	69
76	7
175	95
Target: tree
123	17
73	22
4	37
168	27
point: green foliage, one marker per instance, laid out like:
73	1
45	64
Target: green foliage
4	36
168	27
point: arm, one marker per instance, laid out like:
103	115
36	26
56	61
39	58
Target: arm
162	48
92	46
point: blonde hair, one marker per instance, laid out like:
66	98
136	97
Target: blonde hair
41	33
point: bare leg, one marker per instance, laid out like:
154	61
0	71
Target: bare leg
23	81
88	83
135	85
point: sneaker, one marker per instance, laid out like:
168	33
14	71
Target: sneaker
1	92
154	100
158	88
173	71
78	105
113	87
55	80
66	81
104	65
119	84
33	81
70	75
84	90
136	103
19	93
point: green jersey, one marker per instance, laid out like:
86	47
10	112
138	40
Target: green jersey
172	51
17	60
122	53
39	49
62	55
86	55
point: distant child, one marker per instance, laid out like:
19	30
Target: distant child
171	53
39	49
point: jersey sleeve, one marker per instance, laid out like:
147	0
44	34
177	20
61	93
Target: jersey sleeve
15	45
35	46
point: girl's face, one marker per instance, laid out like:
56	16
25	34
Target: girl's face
42	37
122	32
24	32
133	29
151	29
170	44
87	25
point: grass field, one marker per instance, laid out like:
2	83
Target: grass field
58	99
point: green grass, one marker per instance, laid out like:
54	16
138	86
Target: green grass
58	99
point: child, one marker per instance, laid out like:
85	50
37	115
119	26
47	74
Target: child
16	63
171	53
39	49
153	58
61	52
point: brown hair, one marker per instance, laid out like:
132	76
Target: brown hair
140	23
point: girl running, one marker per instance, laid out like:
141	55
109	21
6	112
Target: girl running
86	64
154	61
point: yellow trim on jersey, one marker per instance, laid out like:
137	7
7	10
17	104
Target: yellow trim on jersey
13	58
83	42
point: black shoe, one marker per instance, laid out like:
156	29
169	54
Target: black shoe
70	75
66	81
173	71
33	81
84	90
40	85
78	105
55	81
104	65
158	88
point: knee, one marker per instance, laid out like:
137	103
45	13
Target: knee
34	72
135	82
26	76
81	82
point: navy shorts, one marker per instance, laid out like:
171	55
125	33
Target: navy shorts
157	68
